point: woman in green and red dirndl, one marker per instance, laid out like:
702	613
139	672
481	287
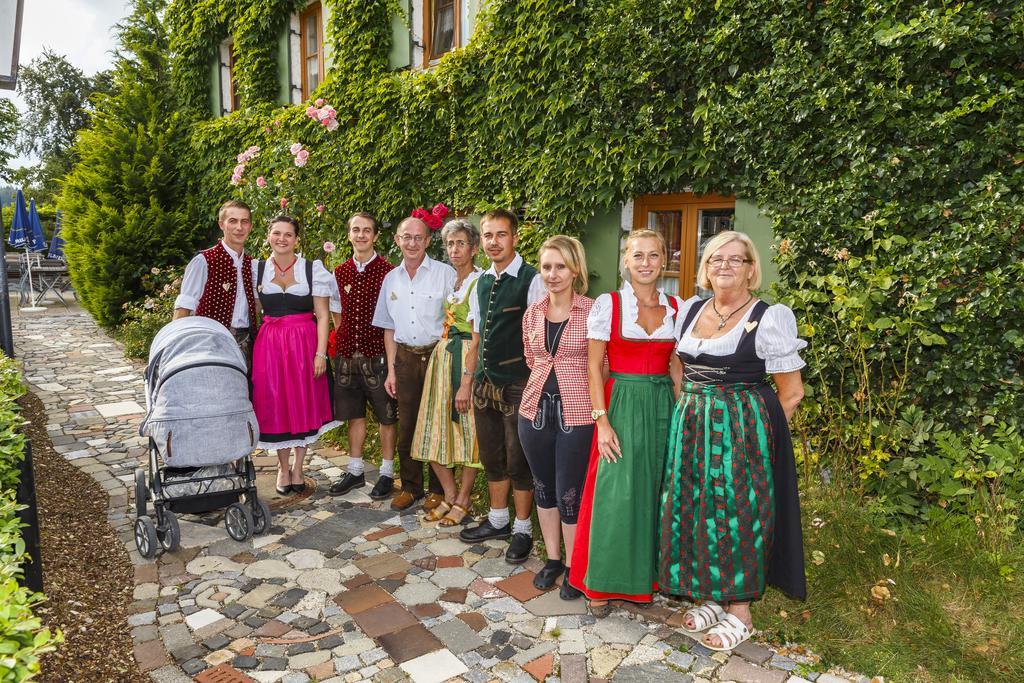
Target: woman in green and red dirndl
616	549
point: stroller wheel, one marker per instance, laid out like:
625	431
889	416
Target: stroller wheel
145	537
170	537
141	492
238	521
261	517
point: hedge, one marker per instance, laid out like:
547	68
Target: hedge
22	637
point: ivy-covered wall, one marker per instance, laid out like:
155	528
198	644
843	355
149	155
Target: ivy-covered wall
881	138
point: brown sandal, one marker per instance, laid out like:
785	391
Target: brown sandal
456	515
438	512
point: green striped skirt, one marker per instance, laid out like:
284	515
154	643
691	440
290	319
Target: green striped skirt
717	499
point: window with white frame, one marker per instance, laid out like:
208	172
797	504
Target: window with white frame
311	42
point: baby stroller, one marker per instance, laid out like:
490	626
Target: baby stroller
202	428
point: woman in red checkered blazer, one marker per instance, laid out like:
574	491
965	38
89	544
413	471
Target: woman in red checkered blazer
555	425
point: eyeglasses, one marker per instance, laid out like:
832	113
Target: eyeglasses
732	261
414	239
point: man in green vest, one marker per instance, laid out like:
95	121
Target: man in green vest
503	293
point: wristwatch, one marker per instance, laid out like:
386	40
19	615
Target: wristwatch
594	414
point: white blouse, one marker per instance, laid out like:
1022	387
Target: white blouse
776	343
324	283
599	322
460	294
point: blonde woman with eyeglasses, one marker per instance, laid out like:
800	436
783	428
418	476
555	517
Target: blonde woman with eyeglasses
730	515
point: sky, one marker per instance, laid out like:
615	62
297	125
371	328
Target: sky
82	30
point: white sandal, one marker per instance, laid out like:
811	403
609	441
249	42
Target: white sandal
730	631
704	616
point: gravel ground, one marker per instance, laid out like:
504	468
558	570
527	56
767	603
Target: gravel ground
87	577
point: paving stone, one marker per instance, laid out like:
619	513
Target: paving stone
573	669
453	577
330	533
434	667
620	630
193	666
150	655
269	569
261	596
474	620
326	580
242	662
457	636
205	617
417	593
306	558
382	565
493	567
549	604
362	598
169	674
386	618
308	659
191	651
739	670
650	673
540	668
207	565
409	643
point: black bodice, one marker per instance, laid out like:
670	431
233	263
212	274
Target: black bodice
280	304
742	366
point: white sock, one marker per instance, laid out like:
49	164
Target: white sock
387	468
498	518
355	466
522	526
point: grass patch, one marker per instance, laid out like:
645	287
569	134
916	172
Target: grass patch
952	612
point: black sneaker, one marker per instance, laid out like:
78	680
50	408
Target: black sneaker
347	483
485	532
547	576
383	488
519	548
567	592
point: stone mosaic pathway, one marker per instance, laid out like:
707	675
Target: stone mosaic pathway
344	589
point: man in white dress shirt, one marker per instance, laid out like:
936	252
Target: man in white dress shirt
218	281
410	310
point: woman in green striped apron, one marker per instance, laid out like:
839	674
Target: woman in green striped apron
445	432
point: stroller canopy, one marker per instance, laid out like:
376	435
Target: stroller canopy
197	395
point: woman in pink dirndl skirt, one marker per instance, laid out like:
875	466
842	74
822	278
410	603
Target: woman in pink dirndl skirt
290	382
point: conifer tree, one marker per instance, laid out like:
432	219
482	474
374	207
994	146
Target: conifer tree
124	204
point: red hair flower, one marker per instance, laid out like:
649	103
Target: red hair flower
433	218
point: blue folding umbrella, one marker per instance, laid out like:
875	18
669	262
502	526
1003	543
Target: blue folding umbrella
36	237
57	243
18	235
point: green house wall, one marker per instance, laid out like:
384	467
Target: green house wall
215	85
400	56
284	79
602	233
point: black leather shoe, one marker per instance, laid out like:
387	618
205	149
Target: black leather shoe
547	576
519	549
567	592
298	488
485	532
283	490
383	488
347	483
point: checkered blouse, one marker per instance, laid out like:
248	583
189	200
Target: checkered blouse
570	361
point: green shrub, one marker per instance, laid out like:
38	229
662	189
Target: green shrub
22	638
124	204
143	319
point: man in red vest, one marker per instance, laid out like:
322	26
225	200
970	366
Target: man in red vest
361	364
218	281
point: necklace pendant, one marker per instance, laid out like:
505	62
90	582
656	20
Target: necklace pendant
721	324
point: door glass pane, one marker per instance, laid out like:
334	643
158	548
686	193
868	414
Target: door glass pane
710	222
312	74
670	225
310	34
443	39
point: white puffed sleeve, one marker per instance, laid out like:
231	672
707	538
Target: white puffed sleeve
192	284
323	282
777	341
599	322
684	310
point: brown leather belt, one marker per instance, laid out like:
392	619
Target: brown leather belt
418	350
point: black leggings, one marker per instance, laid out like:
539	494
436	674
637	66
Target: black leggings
558	457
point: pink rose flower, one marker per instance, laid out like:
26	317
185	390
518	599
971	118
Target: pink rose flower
261	182
328	246
302	157
320	208
267	130
331	124
311	112
319	102
327	113
295	148
284	202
